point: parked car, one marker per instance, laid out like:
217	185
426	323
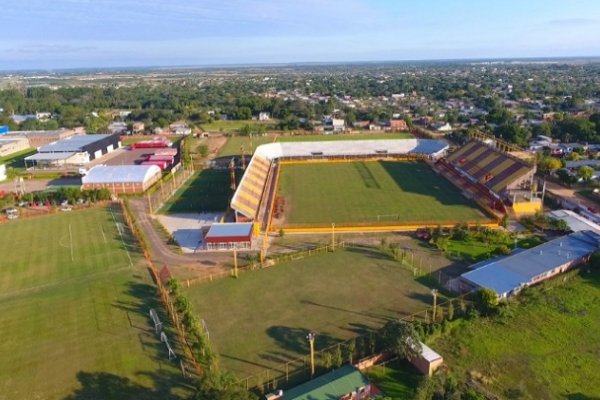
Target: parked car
423	234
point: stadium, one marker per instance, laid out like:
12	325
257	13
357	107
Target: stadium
379	185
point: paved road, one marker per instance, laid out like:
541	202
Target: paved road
189	264
35	185
570	195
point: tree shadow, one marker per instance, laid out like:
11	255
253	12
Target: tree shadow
295	339
362	314
580	396
106	386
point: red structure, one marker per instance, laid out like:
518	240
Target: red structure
151	144
229	236
398	125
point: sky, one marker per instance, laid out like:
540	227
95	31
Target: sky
54	34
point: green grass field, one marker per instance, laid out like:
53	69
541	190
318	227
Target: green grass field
261	319
235	125
207	190
73	312
357	193
547	349
234	143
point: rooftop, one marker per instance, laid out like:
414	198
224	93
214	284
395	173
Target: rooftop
49	156
120	173
518	269
575	221
72	144
229	229
332	385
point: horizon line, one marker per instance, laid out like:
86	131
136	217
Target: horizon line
589	58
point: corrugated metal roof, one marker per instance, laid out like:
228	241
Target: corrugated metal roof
332	385
428	353
49	156
229	230
518	269
575	221
72	144
120	174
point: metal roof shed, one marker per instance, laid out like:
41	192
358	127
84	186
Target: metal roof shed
333	385
229	232
508	275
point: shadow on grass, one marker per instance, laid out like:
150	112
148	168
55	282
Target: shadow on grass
106	386
370	252
295	339
580	396
362	314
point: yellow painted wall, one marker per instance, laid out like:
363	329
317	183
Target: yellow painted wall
527	208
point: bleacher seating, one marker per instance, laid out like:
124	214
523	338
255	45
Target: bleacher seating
492	168
248	195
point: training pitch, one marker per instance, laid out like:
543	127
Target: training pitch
371	193
74	304
261	319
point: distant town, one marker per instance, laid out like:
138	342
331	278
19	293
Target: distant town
397	230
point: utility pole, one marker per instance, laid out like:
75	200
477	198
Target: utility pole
311	339
333	236
434	292
235	263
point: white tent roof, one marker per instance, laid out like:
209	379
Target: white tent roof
120	174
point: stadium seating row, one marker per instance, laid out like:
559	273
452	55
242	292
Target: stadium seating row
490	167
247	198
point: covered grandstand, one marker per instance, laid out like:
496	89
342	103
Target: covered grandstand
488	175
496	170
260	173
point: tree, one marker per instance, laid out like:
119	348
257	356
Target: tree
402	339
594	262
219	386
487	299
549	164
586	173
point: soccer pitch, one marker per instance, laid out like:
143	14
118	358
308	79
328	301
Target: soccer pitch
73	309
371	193
261	319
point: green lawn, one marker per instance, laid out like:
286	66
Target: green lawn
548	349
16	160
359	192
261	319
397	380
474	250
234	125
234	143
76	326
207	190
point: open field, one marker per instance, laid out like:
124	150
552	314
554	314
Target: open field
73	311
235	125
234	143
261	319
205	191
546	348
371	193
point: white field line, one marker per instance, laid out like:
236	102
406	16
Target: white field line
71	242
122	239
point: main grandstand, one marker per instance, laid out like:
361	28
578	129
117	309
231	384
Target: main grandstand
487	174
253	196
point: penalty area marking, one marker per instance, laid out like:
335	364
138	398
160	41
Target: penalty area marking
71	242
122	239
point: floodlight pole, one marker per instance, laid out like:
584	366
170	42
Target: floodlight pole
434	292
311	339
333	236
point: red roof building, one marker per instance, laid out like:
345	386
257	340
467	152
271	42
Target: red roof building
229	236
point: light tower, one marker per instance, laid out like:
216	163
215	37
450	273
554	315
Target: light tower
232	173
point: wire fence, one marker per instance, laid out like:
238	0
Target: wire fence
167	187
350	351
186	345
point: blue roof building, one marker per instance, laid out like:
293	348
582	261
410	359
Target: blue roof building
508	275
